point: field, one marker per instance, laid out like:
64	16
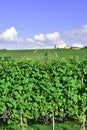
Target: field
42	93
50	54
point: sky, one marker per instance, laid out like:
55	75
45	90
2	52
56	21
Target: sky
39	24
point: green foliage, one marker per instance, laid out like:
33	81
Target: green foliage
32	91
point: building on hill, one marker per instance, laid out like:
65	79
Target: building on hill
75	48
62	47
67	47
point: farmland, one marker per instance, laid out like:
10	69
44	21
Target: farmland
39	92
39	55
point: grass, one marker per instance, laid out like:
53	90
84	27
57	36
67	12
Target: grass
58	126
36	55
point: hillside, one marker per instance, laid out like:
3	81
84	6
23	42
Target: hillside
50	54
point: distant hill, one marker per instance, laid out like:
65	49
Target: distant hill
41	54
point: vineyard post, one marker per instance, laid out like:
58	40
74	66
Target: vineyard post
46	57
82	127
53	121
21	118
5	116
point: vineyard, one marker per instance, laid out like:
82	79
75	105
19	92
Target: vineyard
43	92
39	55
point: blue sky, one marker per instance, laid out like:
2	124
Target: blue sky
33	24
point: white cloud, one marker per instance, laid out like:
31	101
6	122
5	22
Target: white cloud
78	35
40	37
10	35
47	37
46	41
40	41
53	36
30	40
60	44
